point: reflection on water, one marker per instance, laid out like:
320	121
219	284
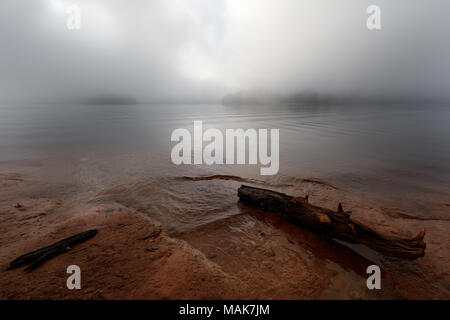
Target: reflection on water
392	157
396	150
403	140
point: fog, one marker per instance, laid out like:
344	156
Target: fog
200	50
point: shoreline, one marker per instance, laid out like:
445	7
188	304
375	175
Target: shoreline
250	255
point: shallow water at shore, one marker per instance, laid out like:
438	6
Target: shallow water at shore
382	144
388	152
382	162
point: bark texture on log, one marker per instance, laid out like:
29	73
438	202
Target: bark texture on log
336	224
37	257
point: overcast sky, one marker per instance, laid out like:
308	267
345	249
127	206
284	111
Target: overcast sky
187	50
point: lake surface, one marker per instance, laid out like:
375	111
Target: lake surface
390	164
404	145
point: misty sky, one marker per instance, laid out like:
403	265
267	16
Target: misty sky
199	50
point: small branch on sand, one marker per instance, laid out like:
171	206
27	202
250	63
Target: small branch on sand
37	257
336	224
154	234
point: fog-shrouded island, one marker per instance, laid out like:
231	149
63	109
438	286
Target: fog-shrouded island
265	97
110	99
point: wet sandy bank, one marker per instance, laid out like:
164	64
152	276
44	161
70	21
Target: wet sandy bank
247	255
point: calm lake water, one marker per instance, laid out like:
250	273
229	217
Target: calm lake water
407	144
400	153
393	159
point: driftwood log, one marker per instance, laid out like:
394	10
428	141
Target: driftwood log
37	257
335	224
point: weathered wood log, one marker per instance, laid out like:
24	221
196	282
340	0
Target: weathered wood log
335	224
37	257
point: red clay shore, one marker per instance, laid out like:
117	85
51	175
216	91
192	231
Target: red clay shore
240	257
115	264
